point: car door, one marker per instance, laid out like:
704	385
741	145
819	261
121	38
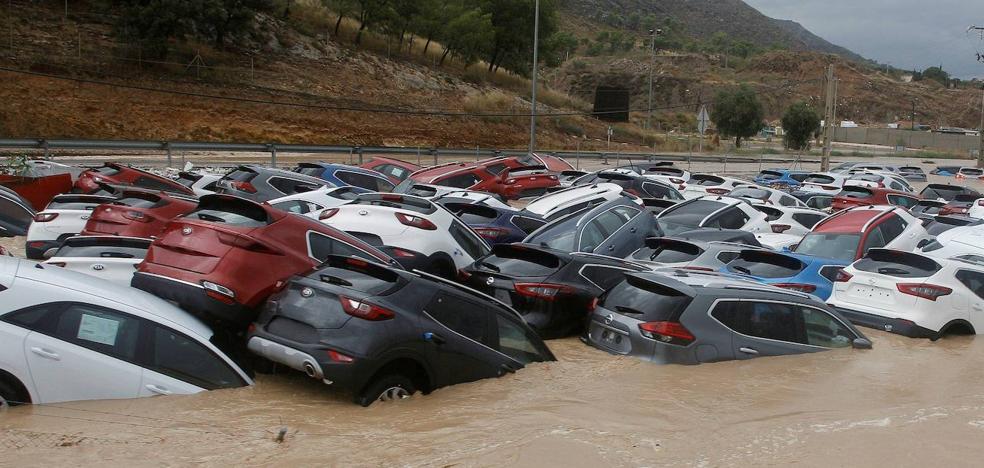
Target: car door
84	352
764	328
178	364
460	332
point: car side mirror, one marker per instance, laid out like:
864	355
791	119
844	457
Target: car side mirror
922	243
49	253
861	343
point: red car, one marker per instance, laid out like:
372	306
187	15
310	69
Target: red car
502	176
118	174
137	214
223	260
851	196
395	170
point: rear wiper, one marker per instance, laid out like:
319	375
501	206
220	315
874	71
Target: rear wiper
742	269
490	266
115	255
335	280
890	271
208	217
629	310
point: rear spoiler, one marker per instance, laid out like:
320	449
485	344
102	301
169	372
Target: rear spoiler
376	270
734	236
772	258
680	244
527	168
530	252
573	173
658	205
418	204
660	284
903	257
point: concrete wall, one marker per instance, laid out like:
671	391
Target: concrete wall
910	139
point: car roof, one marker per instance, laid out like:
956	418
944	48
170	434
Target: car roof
851	220
571	194
694	283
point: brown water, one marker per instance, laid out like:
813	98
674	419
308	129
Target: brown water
906	402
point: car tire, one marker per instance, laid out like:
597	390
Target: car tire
390	387
265	366
9	396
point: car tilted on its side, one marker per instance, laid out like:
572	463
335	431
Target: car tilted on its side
91	180
715	212
615	228
383	334
259	183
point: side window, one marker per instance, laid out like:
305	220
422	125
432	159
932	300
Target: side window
768	320
627	213
731	218
892	228
469	242
899	200
321	246
297	206
727	257
874	240
605	277
592	236
974	280
397	171
357	180
786	200
37	318
610	221
102	330
461	316
496	169
460	181
182	358
517	342
527	225
290	186
152	183
808	220
822	329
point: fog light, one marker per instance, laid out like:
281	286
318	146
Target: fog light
218	288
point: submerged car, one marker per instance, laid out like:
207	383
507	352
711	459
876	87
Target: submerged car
341	175
383	334
690	254
913	295
553	290
803	273
615	228
848	234
90	181
137	214
495	225
64	217
691	318
66	336
112	258
260	184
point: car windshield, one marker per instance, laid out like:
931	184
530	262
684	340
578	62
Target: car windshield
830	245
521	262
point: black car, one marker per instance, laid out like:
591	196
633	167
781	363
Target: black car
383	334
553	290
946	192
496	225
927	208
640	186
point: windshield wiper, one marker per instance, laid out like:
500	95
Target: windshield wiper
490	266
742	269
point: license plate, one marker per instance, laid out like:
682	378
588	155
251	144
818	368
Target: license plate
873	293
610	337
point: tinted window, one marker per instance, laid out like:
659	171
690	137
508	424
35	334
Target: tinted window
521	262
35	318
605	277
74	204
365	181
808	220
727	257
819	179
575	208
830	245
152	183
750	192
973	280
787	200
769	175
594	234
495	169
899	200
460	181
771	214
103	248
732	218
322	246
106	170
798	177
855	192
290	186
240	175
892	227
230	211
517	342
673	252
297	206
820	203
769	320
822	329
182	358
661	191
646	301
897	264
313	171
469	241
687	217
139	202
527	225
101	330
558	236
765	265
946	192
463	317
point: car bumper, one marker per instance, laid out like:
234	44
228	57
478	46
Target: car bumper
194	299
340	376
891	325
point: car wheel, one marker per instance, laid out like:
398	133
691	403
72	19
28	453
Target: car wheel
8	395
392	387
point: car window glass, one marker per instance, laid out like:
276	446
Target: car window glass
461	316
727	257
527	225
297	206
731	218
787	200
37	318
973	280
460	181
468	240
808	220
152	183
495	169
592	236
321	246
285	186
822	329
182	358
799	177
604	277
661	191
516	342
769	320
820	203
626	213
892	227
830	245
101	330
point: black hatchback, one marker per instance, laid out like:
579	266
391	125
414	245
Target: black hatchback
384	334
553	290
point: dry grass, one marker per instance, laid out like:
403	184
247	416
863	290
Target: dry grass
491	102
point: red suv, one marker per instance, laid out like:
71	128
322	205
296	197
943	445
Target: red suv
395	170
852	195
222	260
137	214
118	174
503	176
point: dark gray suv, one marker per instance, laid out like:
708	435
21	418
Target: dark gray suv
682	317
260	183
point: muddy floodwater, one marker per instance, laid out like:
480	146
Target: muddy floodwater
906	402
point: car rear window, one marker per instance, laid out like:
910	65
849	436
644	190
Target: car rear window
669	252
232	211
521	262
856	192
819	179
706	180
766	265
188	179
106	170
312	170
771	214
946	192
830	245
527	224
104	248
687	216
661	191
646	300
769	175
75	203
371	280
240	175
473	214
750	192
971	171
140	201
897	263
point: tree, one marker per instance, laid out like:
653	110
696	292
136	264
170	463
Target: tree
737	113
512	22
936	74
468	35
799	124
343	8
369	12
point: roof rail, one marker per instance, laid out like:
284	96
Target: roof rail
765	287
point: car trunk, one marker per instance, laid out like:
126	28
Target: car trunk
878	274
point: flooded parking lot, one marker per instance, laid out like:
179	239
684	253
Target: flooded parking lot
906	402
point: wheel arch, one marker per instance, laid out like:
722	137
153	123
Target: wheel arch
24	394
408	364
956	327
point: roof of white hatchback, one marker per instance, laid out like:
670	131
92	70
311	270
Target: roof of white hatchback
546	203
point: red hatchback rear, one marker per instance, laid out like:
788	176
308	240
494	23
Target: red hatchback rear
137	214
394	169
223	260
502	176
117	174
852	195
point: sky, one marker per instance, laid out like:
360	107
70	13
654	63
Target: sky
907	34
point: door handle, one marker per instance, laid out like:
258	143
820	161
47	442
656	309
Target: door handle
611	247
158	390
46	354
751	351
633	230
434	338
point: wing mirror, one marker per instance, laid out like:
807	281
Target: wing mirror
49	253
861	343
922	243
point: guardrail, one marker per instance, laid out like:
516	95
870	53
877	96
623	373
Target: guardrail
168	147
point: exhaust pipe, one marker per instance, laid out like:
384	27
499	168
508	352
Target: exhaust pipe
309	370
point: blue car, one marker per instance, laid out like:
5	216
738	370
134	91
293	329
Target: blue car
342	175
496	225
785	179
804	273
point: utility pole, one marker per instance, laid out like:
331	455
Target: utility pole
980	149
652	63
830	113
536	49
913	120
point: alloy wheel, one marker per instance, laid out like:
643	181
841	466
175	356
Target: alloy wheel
393	394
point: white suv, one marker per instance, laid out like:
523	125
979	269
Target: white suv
312	204
561	203
66	336
712	212
112	258
65	216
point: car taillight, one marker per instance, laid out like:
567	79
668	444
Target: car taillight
246	243
251	328
667	332
402	253
881	185
843	277
328	213
365	310
925	291
243	186
219	292
980	202
393	197
593	305
545	291
416	221
45	217
339	357
553	177
136	216
780	228
35	244
677	181
801	287
490	233
464	275
717	191
510	181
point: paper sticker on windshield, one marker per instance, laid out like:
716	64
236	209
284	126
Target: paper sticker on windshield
98	329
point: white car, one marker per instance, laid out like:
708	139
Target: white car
778	241
977	209
827	183
963	240
473	197
711	184
792	220
64	217
912	294
969	173
411	223
712	212
66	336
879	180
312	204
771	196
558	204
112	258
673	176
432	192
200	182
